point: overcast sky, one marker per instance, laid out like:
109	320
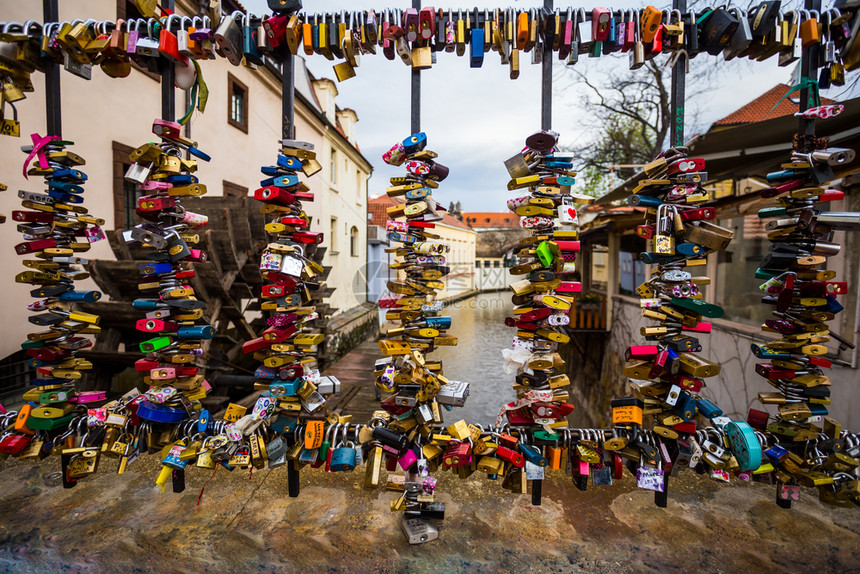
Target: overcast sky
476	118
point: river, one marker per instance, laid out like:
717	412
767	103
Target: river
479	323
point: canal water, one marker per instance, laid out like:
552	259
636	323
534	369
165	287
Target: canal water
479	323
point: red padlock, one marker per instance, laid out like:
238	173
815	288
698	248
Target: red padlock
14	443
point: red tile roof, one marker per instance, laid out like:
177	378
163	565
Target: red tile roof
762	108
377	207
488	219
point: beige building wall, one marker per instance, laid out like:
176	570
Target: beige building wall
461	259
105	110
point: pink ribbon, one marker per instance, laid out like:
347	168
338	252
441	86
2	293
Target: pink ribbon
39	142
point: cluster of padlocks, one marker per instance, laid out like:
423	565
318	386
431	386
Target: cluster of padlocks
288	424
416	386
56	228
810	449
542	302
669	375
415	35
294	392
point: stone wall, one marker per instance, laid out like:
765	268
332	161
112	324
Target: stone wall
346	331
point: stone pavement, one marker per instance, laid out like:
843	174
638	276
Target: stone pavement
244	523
354	370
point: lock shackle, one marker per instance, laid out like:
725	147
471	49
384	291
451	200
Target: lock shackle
13	27
171	19
328	432
236	13
186	22
30	24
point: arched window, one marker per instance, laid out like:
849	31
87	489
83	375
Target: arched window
353	241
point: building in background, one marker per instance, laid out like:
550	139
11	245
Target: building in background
739	151
241	127
498	240
461	239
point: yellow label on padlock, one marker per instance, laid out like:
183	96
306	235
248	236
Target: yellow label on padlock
234	412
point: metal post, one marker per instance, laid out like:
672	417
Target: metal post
416	89
168	79
53	115
288	131
679	87
546	78
288	96
808	69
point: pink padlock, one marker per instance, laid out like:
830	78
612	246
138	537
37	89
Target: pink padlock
396	155
407	460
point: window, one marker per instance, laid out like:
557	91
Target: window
359	189
737	288
477	263
237	103
125	193
333	236
333	168
234	190
353	241
496	264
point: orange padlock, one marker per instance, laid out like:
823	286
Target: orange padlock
809	32
649	23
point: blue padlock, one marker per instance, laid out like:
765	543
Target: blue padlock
172	459
832	306
401	237
65	186
685	407
65	197
744	445
309	455
419	193
284	425
439	322
281	181
817	410
69	175
270	170
644	200
532	454
708	409
183	179
343	458
776	453
690	249
558	164
198	154
289	162
282	388
146	304
88	296
415	143
196	332
565	180
476	54
203	421
155	268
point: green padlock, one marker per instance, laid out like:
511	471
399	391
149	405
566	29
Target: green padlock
705	309
155	344
544	254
